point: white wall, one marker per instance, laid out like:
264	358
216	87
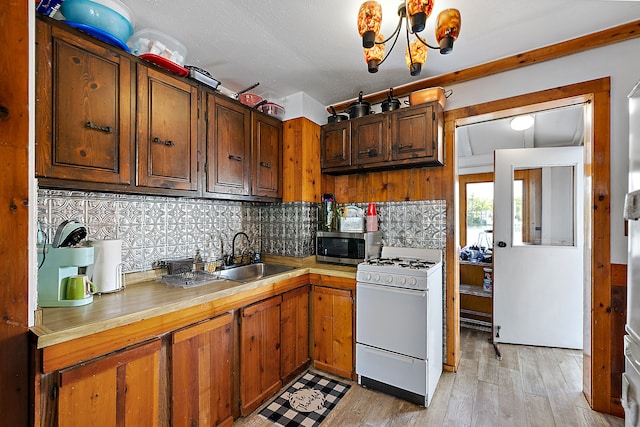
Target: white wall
302	105
620	61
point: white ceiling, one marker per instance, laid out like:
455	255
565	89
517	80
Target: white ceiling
562	127
313	46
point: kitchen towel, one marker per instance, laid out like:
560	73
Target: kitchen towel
305	403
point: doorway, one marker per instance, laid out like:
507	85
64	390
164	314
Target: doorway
597	264
514	291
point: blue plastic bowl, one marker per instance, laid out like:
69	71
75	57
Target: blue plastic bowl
98	14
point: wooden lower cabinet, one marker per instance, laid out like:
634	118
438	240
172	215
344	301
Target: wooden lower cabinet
333	330
118	389
201	374
259	353
208	372
294	332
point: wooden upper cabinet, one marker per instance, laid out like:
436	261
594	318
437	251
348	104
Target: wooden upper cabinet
266	156
228	146
400	138
335	145
83	109
167	118
416	133
369	139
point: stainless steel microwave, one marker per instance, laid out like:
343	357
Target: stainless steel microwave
347	248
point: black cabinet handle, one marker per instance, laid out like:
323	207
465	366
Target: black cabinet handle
265	164
236	158
371	152
502	244
336	155
163	142
400	147
91	125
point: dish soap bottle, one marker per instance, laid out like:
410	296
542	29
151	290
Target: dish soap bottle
197	261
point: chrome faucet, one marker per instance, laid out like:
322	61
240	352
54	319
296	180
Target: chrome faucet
232	260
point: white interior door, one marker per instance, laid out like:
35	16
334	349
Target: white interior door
538	247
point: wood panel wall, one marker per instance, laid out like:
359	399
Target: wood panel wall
14	208
618	320
301	161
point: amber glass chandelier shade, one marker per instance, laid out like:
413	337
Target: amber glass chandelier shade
448	29
373	56
369	20
416	55
418	11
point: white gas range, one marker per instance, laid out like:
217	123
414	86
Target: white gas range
399	323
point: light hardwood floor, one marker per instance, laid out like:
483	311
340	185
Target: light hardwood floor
530	386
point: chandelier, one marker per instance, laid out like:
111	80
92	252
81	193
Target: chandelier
414	13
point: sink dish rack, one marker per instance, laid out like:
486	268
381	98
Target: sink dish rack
190	279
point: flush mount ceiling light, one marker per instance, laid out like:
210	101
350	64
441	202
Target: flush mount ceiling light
522	122
414	13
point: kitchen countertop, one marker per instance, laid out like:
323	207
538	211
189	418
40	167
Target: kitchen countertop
150	298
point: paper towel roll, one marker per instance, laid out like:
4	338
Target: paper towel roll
106	271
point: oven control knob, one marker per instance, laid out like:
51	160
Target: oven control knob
403	280
389	279
367	277
413	281
376	277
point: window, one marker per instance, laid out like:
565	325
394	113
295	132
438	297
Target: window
476	208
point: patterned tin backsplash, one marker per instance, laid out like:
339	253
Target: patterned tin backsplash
155	228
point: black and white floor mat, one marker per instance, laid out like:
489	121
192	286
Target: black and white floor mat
305	403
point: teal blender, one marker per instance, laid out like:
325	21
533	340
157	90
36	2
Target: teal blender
61	260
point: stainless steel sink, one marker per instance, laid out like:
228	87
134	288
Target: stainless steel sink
247	273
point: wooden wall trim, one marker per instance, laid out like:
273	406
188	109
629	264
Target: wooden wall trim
619	319
602	38
14	226
600	253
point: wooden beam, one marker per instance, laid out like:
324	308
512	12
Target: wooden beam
14	203
602	38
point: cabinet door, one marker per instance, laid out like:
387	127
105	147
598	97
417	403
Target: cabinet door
333	330
266	156
369	139
415	134
167	131
228	146
201	374
119	389
83	109
335	145
259	353
294	331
